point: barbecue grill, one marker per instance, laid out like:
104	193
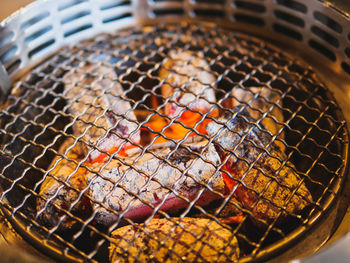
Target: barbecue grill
290	48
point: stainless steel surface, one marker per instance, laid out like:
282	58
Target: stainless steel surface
312	31
5	82
336	252
11	240
31	36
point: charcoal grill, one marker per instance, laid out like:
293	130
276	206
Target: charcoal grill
289	47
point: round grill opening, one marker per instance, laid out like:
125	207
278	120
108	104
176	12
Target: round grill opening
181	142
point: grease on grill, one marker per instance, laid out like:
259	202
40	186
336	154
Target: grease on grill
217	133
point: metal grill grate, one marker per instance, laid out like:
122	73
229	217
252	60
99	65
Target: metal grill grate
180	138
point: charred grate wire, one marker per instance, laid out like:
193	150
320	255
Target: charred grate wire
265	101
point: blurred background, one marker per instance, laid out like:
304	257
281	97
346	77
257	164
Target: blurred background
7	7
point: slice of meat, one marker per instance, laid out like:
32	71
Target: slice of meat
171	240
257	171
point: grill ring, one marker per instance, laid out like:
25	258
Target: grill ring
312	116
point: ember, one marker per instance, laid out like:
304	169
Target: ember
183	127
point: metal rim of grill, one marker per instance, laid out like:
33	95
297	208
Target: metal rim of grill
236	60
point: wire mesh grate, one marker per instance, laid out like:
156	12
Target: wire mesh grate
170	142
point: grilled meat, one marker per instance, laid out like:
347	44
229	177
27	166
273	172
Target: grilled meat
168	179
104	118
171	240
61	191
256	170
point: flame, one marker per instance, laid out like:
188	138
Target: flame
177	130
241	192
232	219
122	152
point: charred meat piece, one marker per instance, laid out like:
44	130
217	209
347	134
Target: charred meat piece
171	240
257	170
61	191
168	179
104	118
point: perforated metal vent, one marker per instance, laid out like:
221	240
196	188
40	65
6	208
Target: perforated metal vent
45	26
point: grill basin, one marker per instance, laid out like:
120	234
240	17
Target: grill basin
36	121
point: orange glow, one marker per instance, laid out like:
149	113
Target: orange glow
101	158
177	131
229	183
232	219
